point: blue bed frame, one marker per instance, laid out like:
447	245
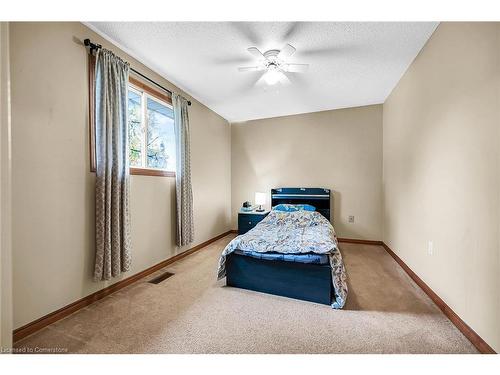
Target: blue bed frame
308	282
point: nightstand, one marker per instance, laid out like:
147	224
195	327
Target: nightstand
248	220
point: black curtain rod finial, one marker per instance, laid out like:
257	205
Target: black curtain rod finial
91	45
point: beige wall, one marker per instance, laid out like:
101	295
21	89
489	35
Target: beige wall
5	193
53	190
340	150
441	170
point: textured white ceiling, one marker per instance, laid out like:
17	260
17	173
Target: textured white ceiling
351	64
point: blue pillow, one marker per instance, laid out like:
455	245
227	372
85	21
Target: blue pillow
285	207
294	207
306	207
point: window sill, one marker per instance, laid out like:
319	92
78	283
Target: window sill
147	172
151	172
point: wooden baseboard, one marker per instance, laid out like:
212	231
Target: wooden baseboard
364	242
467	331
44	321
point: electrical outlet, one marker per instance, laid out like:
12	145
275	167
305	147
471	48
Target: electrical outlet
430	248
351	219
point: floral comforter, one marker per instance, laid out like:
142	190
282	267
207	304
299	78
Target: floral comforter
294	233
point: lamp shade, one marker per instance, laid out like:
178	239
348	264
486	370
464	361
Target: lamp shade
260	198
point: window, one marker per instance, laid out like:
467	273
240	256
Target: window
150	125
151	132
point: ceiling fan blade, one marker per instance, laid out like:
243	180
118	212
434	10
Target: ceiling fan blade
296	68
261	81
284	80
255	52
286	52
250	68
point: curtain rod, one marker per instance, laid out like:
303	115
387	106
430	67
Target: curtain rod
94	46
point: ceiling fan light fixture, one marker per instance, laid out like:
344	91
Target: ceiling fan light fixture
272	76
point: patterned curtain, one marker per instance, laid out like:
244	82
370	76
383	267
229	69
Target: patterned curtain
183	189
112	172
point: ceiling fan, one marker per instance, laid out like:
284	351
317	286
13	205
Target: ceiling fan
273	63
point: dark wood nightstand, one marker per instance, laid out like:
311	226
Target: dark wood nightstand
248	220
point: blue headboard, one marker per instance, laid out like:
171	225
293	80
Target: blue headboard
317	197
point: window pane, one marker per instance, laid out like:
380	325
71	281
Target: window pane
161	137
136	128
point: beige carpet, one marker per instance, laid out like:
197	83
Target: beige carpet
192	313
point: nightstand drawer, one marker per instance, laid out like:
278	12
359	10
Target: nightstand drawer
248	221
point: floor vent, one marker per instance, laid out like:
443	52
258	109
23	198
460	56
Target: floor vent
162	277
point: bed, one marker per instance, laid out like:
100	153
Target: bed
292	254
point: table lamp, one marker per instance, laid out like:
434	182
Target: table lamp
260	199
